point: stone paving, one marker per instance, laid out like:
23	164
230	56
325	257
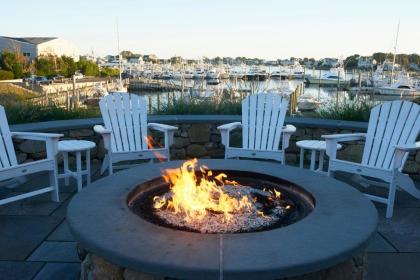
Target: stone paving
35	241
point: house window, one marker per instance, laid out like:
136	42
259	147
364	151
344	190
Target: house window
26	54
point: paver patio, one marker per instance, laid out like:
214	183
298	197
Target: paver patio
36	243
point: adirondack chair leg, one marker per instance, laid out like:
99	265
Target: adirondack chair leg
88	167
321	161
302	154
66	167
106	164
54	183
110	170
313	154
79	170
391	198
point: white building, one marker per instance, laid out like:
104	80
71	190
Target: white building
32	47
365	62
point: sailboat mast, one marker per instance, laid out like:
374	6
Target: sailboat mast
395	51
119	53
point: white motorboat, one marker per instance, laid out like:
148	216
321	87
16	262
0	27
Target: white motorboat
298	72
199	73
177	75
308	103
403	86
236	74
282	73
334	76
166	75
212	74
188	74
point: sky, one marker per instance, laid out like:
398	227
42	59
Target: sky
266	29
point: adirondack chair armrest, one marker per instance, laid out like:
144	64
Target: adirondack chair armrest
101	129
408	147
401	151
225	129
229	126
332	140
161	127
345	137
50	139
287	130
36	136
168	130
106	135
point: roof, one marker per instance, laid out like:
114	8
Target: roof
31	40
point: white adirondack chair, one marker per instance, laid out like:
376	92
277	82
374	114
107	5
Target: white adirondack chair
10	169
391	135
262	128
125	131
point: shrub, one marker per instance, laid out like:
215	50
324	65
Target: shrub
6	75
357	110
200	107
27	113
109	72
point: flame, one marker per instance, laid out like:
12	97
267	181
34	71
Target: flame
194	197
151	144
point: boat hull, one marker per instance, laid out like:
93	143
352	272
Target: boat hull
331	82
397	91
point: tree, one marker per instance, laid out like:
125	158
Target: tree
88	68
6	75
351	61
126	54
380	57
68	67
10	61
45	66
109	72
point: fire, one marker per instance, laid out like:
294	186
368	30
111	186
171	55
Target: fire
194	197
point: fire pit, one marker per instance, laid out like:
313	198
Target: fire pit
214	219
212	201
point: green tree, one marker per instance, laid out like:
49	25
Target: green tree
414	58
126	54
109	72
88	68
6	75
45	66
11	61
68	66
380	57
351	61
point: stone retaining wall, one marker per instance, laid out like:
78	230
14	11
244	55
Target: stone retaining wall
198	137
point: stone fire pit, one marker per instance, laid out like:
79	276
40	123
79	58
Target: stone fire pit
328	243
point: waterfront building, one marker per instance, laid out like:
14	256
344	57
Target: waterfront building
136	59
32	47
365	62
329	62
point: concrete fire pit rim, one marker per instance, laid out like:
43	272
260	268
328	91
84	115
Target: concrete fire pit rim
340	226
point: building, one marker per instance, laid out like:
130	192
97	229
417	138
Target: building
33	47
365	62
135	59
329	62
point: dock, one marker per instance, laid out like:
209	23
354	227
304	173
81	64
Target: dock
140	84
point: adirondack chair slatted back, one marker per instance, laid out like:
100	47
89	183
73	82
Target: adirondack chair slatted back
390	124
7	151
126	116
262	121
